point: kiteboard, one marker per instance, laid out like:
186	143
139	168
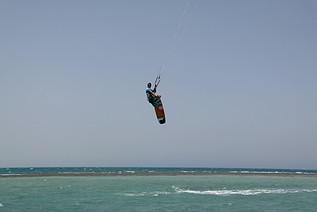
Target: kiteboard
159	111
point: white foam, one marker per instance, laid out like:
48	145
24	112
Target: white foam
223	192
135	195
1	205
154	194
247	192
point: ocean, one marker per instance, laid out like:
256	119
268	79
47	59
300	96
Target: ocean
157	189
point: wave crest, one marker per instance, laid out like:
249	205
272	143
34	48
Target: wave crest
247	192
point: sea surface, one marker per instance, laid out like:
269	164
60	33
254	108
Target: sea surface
157	189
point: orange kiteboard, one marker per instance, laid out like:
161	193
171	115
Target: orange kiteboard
159	111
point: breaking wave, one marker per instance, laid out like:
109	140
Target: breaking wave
247	192
154	194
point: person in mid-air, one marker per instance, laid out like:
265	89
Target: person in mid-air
151	94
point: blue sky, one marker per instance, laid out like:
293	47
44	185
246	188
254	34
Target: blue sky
239	86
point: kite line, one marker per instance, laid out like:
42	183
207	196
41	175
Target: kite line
161	70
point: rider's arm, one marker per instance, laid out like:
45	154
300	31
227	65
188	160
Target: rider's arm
152	92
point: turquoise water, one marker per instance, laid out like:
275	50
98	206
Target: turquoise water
149	170
160	193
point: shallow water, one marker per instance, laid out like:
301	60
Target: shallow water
159	193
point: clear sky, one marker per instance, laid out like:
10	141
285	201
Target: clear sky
239	86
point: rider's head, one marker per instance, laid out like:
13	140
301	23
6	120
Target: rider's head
149	85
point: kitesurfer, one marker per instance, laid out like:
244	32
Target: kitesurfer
151	94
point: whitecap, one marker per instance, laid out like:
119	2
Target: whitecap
1	205
154	194
247	192
158	193
134	195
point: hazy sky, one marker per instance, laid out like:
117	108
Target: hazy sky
239	87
